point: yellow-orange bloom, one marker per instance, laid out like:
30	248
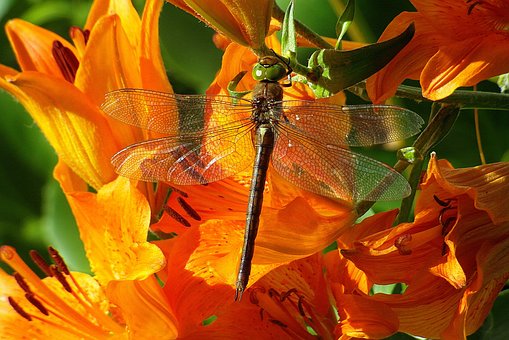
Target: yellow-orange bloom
456	43
62	85
113	225
244	21
453	259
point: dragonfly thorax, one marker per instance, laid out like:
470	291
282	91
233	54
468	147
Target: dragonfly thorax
266	102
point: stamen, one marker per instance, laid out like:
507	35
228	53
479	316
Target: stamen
279	323
448	206
18	309
33	300
273	292
182	193
301	307
93	324
284	296
402	244
61	278
40	262
59	261
472	6
189	210
66	61
177	217
440	202
22	283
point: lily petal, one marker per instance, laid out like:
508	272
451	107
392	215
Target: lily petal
72	124
33	47
113	226
465	64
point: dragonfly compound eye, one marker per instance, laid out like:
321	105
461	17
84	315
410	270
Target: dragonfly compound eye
271	73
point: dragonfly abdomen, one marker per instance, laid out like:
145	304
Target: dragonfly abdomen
264	144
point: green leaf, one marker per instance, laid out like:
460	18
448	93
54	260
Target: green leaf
288	40
344	22
342	69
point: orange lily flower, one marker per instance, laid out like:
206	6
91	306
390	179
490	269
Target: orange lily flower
113	225
456	43
124	299
244	21
453	259
62	85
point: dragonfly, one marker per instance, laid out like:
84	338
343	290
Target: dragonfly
207	138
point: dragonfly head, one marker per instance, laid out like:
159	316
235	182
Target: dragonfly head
271	69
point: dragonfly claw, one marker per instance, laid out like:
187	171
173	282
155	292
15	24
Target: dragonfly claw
239	291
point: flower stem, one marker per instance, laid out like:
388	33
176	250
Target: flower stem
461	98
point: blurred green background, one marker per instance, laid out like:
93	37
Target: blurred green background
33	211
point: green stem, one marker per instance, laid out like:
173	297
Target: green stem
407	203
302	30
461	98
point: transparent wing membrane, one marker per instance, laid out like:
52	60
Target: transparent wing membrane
170	113
357	125
210	138
334	171
187	160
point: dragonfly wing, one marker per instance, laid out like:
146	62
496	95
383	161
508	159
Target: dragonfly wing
189	159
170	113
333	171
356	125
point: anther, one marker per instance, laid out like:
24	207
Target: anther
61	278
40	262
189	210
472	6
18	309
177	217
402	244
66	60
182	193
279	323
253	298
300	306
59	261
284	296
22	283
272	292
36	303
440	202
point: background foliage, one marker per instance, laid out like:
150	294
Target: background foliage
33	211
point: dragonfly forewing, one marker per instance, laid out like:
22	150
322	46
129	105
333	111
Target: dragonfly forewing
356	125
173	114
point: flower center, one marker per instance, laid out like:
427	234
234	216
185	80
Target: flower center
59	302
288	310
494	12
66	61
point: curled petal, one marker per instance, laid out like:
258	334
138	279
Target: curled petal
239	20
465	63
113	226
